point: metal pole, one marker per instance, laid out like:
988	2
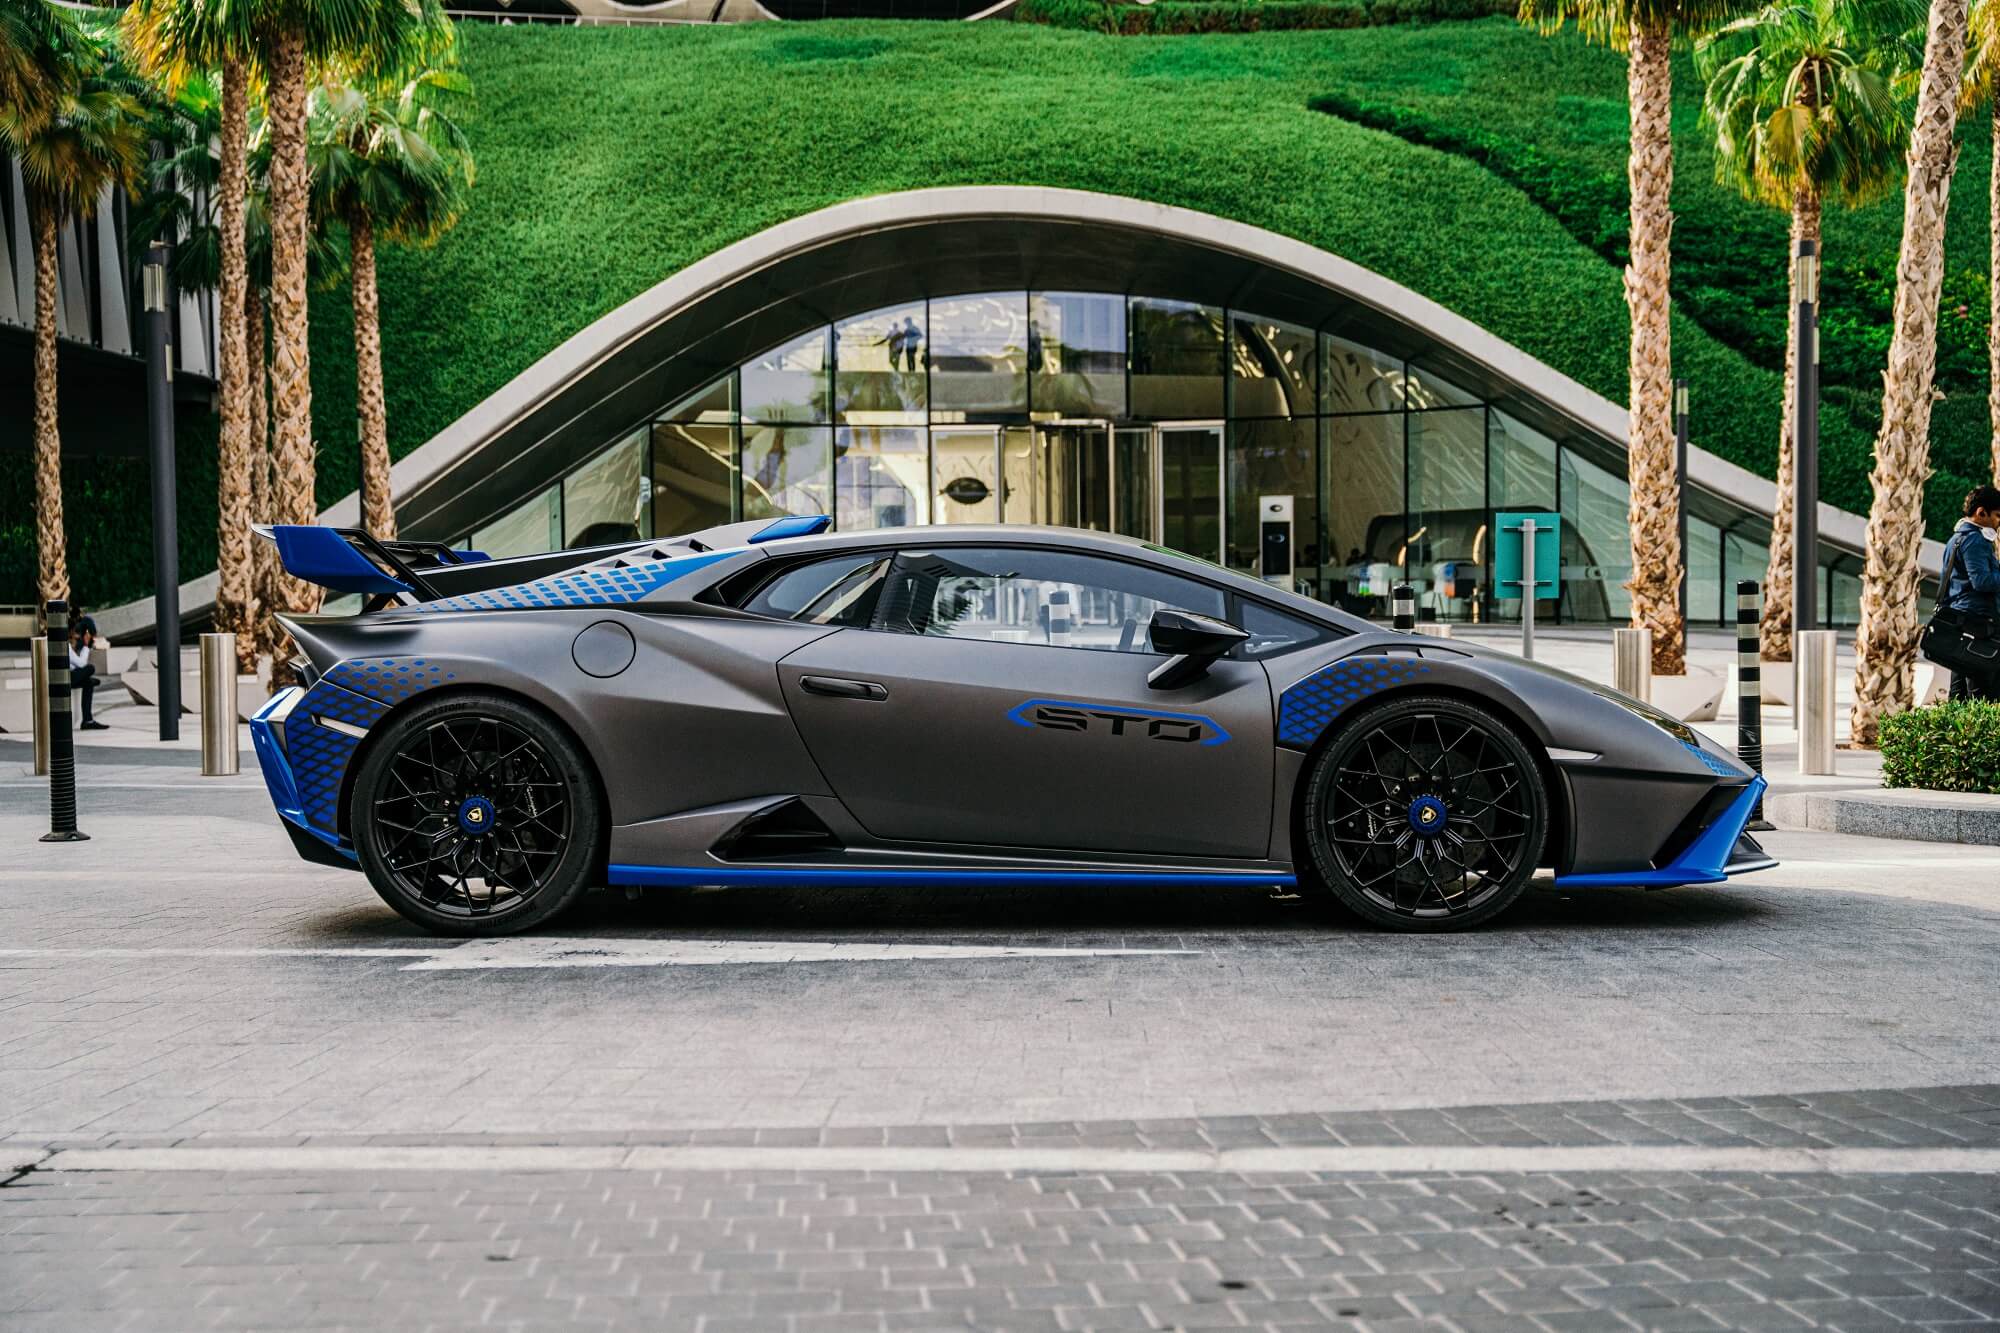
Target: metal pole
166	539
1813	652
1750	687
1632	662
1403	607
38	659
1681	483
62	751
1529	590
219	756
1805	449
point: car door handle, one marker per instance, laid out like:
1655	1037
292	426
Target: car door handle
839	687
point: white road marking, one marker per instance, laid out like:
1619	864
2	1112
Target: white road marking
549	951
1327	1160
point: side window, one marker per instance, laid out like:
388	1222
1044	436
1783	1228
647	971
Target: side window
840	590
1026	595
1272	631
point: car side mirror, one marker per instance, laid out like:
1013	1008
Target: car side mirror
1195	642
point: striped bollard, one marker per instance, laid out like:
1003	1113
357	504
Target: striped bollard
1750	687
1059	618
62	748
1403	607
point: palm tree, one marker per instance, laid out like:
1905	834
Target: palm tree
1809	103
1982	84
1886	643
31	70
1646	31
89	139
389	162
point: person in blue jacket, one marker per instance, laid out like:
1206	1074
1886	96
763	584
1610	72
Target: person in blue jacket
1971	580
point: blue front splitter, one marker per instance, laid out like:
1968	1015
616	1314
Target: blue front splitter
1703	861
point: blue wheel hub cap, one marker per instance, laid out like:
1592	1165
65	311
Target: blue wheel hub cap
1427	816
476	815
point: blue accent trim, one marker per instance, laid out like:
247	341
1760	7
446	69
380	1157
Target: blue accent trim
323	556
801	525
1307	708
1014	715
747	876
1431	827
278	777
1702	861
475	815
582	587
472	557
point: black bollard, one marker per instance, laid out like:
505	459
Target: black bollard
62	751
1750	688
1402	607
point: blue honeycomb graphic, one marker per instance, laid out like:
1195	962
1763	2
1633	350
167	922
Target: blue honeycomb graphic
1716	763
387	680
1308	708
359	692
579	587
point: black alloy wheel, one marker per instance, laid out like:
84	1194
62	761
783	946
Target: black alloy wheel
1427	813
475	815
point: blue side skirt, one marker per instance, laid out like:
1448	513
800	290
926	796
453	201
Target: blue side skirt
1706	860
731	876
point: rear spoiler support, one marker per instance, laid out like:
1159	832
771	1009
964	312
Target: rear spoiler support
353	560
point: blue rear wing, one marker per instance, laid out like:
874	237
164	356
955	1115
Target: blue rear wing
350	560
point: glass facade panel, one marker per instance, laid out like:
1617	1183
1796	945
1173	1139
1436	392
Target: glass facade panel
1447	505
880	367
1743	558
1076	354
979	355
787	470
1362	495
528	529
1360	379
1521	465
1705	599
715	402
880	477
1843	601
1596	542
609	498
1272	458
1273	368
1177	360
965	474
1427	387
694	477
789	382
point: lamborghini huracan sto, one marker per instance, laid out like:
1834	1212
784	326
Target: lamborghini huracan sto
771	703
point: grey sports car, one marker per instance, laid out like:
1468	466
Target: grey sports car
770	703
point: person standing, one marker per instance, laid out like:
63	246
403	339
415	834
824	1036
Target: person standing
1970	582
83	671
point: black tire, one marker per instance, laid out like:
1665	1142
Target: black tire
475	814
1425	814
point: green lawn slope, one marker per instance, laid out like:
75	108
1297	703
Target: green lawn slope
609	158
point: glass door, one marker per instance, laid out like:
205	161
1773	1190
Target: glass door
1190	488
1073	474
965	474
1134	483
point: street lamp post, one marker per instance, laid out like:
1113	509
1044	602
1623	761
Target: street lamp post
160	438
1805	446
1681	483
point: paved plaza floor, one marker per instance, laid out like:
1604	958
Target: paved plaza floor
237	1091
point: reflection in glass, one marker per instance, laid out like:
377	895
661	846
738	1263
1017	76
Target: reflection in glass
789	382
694	477
1272	458
787	470
714	402
1017	475
1361	379
1843	600
965	474
1177	359
1076	353
1596	541
1363	494
879	361
605	500
1522	463
979	354
529	529
1426	387
1273	366
1447	503
1704	574
1191	490
879	477
1743	558
1073	483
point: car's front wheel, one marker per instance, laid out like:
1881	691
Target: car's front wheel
1427	813
476	815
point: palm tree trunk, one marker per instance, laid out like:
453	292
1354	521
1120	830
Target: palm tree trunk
378	514
1775	631
1886	643
234	572
1993	294
264	566
1655	505
291	371
51	569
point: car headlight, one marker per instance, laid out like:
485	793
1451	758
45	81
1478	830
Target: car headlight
1673	726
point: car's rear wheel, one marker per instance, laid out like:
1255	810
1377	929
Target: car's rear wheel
476	815
1427	813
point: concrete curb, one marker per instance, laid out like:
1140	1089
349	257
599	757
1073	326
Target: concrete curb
1918	816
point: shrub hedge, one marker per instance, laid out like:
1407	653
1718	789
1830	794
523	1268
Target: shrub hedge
1945	747
1181	17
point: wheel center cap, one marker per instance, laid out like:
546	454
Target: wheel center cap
1427	816
476	815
